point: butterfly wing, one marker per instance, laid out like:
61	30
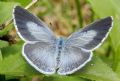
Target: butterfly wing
91	36
77	50
42	56
72	59
30	28
39	49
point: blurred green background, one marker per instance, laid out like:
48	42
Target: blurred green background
63	17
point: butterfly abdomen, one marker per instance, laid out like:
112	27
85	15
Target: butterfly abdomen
59	47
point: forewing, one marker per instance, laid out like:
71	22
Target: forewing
91	36
29	27
73	59
41	55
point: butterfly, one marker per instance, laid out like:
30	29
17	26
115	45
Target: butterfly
49	54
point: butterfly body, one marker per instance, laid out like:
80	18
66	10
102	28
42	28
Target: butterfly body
48	54
59	46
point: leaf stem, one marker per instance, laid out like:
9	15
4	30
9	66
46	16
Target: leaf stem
30	4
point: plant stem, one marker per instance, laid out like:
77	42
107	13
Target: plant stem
79	13
30	4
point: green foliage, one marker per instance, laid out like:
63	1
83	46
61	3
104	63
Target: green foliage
3	44
6	10
104	67
0	56
113	10
12	58
98	70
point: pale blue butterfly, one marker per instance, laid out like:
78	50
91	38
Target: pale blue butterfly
49	54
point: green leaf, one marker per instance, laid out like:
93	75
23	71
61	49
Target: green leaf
6	30
0	56
110	7
115	42
22	2
101	7
118	69
115	39
116	4
6	10
3	44
29	78
97	70
61	78
13	62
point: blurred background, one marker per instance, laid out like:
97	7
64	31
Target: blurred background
63	17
